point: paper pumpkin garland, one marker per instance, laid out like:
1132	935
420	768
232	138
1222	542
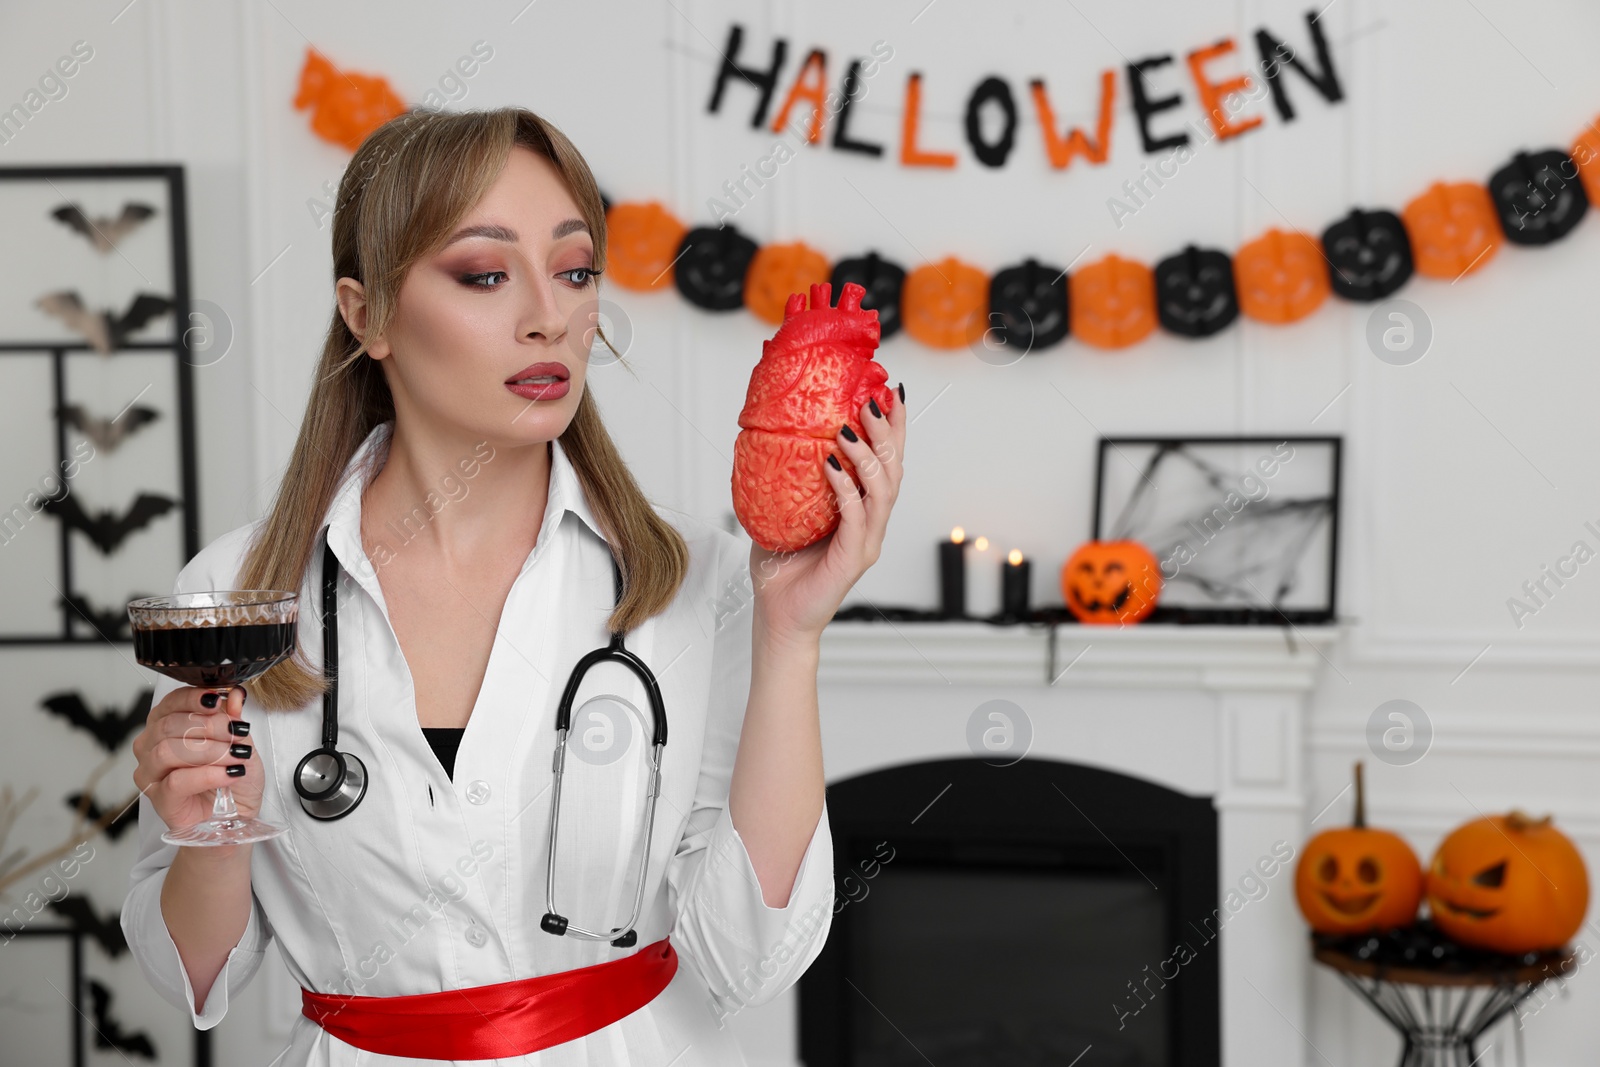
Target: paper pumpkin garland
1368	254
641	241
1113	302
1281	276
1453	229
1195	295
345	106
776	271
711	265
1028	305
1586	155
943	304
882	283
1539	197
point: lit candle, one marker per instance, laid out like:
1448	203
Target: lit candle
1014	585
984	601
953	575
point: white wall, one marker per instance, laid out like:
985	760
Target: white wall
1465	472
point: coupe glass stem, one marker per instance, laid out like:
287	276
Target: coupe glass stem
223	807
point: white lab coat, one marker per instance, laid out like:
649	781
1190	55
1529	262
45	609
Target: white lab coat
433	884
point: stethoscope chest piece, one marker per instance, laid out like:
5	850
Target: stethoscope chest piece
330	783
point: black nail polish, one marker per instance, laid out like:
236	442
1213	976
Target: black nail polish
208	700
873	404
833	460
849	434
236	770
239	728
901	389
239	751
244	696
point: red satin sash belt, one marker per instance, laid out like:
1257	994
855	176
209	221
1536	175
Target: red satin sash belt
506	1019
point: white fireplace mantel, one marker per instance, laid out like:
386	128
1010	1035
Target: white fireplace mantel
1215	711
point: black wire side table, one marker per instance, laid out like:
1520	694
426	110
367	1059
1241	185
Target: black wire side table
1441	1007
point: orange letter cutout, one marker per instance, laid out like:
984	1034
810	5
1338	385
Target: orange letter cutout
1062	149
910	154
811	93
1213	94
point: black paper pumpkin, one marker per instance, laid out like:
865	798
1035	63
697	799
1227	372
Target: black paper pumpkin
883	282
711	265
1195	294
1028	305
1538	196
1369	254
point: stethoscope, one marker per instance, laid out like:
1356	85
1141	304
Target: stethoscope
331	783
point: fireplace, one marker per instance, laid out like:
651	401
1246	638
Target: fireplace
1016	914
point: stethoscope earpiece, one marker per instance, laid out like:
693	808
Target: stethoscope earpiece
330	783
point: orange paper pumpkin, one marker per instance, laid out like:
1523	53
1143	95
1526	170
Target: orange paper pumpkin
1453	229
1111	582
1508	883
1281	276
642	240
1586	154
1356	879
945	304
1113	302
777	272
345	106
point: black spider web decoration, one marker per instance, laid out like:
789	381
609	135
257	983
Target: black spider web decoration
1233	541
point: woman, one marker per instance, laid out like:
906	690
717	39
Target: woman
475	521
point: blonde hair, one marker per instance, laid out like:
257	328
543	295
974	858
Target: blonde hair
406	189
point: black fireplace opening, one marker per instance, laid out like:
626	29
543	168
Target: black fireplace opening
1033	913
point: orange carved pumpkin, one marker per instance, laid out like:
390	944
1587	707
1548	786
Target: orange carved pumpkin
945	304
1113	302
642	240
1356	879
1508	883
777	272
1586	154
1281	276
1111	582
1453	229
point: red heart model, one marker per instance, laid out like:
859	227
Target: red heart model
815	374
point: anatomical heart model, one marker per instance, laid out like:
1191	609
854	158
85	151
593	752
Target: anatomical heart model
815	374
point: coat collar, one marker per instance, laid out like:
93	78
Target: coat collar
343	518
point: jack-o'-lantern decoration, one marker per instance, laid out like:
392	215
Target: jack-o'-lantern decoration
1508	883
1195	296
1586	154
883	283
641	242
1539	197
1453	229
1111	583
1369	255
1356	879
778	271
1028	306
711	265
1113	302
1281	276
944	304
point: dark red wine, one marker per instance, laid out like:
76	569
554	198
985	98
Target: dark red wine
214	655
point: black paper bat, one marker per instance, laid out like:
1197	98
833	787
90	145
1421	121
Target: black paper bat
94	813
104	331
107	433
103	231
107	932
108	1031
107	529
110	728
112	625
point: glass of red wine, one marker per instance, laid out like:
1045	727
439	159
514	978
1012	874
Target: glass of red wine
216	640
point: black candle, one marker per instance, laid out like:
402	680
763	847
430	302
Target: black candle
953	575
1014	585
